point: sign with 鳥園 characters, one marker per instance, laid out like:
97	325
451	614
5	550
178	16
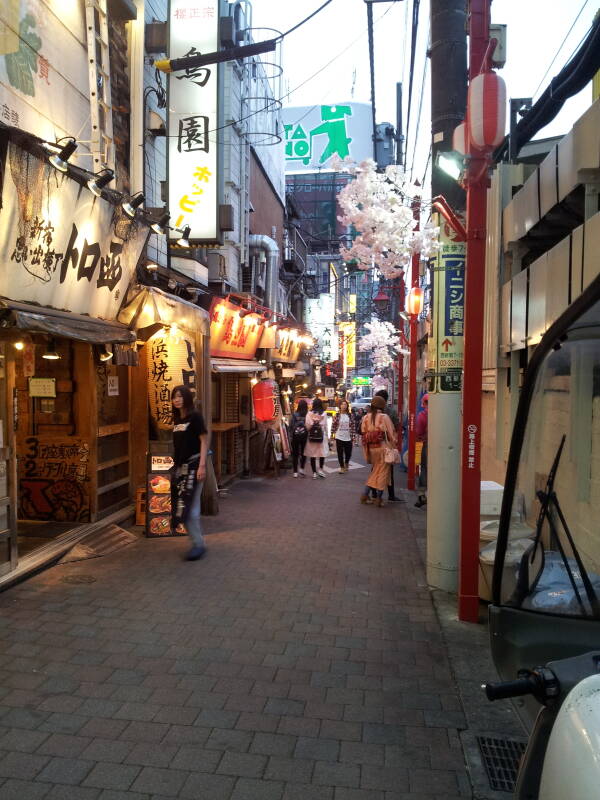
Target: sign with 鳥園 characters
193	121
60	246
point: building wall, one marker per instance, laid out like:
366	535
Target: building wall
268	209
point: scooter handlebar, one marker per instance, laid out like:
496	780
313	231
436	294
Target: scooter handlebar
517	688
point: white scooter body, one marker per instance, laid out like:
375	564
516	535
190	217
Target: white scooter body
572	762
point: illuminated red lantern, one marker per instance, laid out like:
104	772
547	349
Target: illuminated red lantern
414	302
265	398
487	110
459	138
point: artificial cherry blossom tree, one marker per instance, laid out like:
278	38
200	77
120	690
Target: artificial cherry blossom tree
382	341
378	205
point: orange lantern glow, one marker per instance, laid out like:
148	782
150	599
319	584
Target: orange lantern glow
415	301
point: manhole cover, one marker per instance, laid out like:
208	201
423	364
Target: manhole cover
501	758
79	579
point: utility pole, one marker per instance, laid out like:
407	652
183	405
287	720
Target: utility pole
477	182
412	371
448	108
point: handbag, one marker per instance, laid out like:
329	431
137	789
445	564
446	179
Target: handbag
390	454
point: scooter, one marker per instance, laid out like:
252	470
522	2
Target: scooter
544	621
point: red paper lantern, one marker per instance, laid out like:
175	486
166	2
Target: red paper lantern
414	304
265	399
487	110
459	138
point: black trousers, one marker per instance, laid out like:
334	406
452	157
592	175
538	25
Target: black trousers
313	463
298	453
344	451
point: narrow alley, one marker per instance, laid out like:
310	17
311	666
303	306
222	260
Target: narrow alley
300	659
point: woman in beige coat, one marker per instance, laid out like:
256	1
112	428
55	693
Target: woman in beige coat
377	430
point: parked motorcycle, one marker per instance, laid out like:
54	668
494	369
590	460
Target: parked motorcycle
545	616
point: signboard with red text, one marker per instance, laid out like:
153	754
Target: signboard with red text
232	335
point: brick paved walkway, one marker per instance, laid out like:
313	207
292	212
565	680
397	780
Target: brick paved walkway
302	659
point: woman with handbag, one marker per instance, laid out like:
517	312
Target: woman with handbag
378	437
317	445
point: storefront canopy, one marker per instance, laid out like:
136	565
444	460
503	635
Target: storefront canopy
236	365
151	306
62	323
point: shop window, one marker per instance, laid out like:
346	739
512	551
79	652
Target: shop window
39	416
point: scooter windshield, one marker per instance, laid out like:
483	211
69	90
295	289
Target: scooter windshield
551	544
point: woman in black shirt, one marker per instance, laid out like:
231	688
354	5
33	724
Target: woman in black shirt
190	444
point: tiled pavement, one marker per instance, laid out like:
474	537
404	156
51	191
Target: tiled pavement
301	659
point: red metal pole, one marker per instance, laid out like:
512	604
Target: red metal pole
468	591
412	373
400	363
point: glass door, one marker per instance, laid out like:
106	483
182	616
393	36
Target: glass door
8	500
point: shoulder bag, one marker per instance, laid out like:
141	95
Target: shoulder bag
390	454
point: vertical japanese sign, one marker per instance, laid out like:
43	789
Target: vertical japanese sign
446	343
172	362
193	120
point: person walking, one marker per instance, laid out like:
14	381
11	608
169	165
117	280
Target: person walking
421	436
190	446
299	438
390	411
377	430
317	445
344	430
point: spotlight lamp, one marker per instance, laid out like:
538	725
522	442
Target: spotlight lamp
151	266
98	181
51	354
184	240
160	226
129	206
59	160
451	163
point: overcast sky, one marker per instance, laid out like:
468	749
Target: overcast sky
338	34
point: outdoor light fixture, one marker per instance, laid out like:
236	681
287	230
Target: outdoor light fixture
59	160
51	354
19	345
129	206
98	181
415	301
381	300
451	164
105	354
160	226
151	266
184	240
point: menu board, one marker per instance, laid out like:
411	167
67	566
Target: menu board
158	498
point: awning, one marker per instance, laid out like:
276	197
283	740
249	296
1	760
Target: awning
236	365
151	306
62	323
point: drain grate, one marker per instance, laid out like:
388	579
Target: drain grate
501	759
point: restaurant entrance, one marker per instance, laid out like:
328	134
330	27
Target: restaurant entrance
8	499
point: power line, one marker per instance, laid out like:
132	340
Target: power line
310	16
413	48
424	80
561	46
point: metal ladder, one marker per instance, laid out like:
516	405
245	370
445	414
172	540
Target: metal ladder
102	142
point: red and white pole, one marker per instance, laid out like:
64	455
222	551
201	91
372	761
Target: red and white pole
476	184
412	373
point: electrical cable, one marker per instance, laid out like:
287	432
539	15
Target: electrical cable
413	48
424	80
291	30
561	46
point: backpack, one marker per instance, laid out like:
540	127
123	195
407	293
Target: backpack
315	434
299	430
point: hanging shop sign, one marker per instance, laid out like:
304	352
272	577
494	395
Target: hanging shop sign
54	480
320	318
362	380
232	336
193	121
171	362
63	247
288	346
445	352
347	344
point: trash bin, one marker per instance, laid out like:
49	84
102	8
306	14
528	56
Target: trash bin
488	531
514	552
